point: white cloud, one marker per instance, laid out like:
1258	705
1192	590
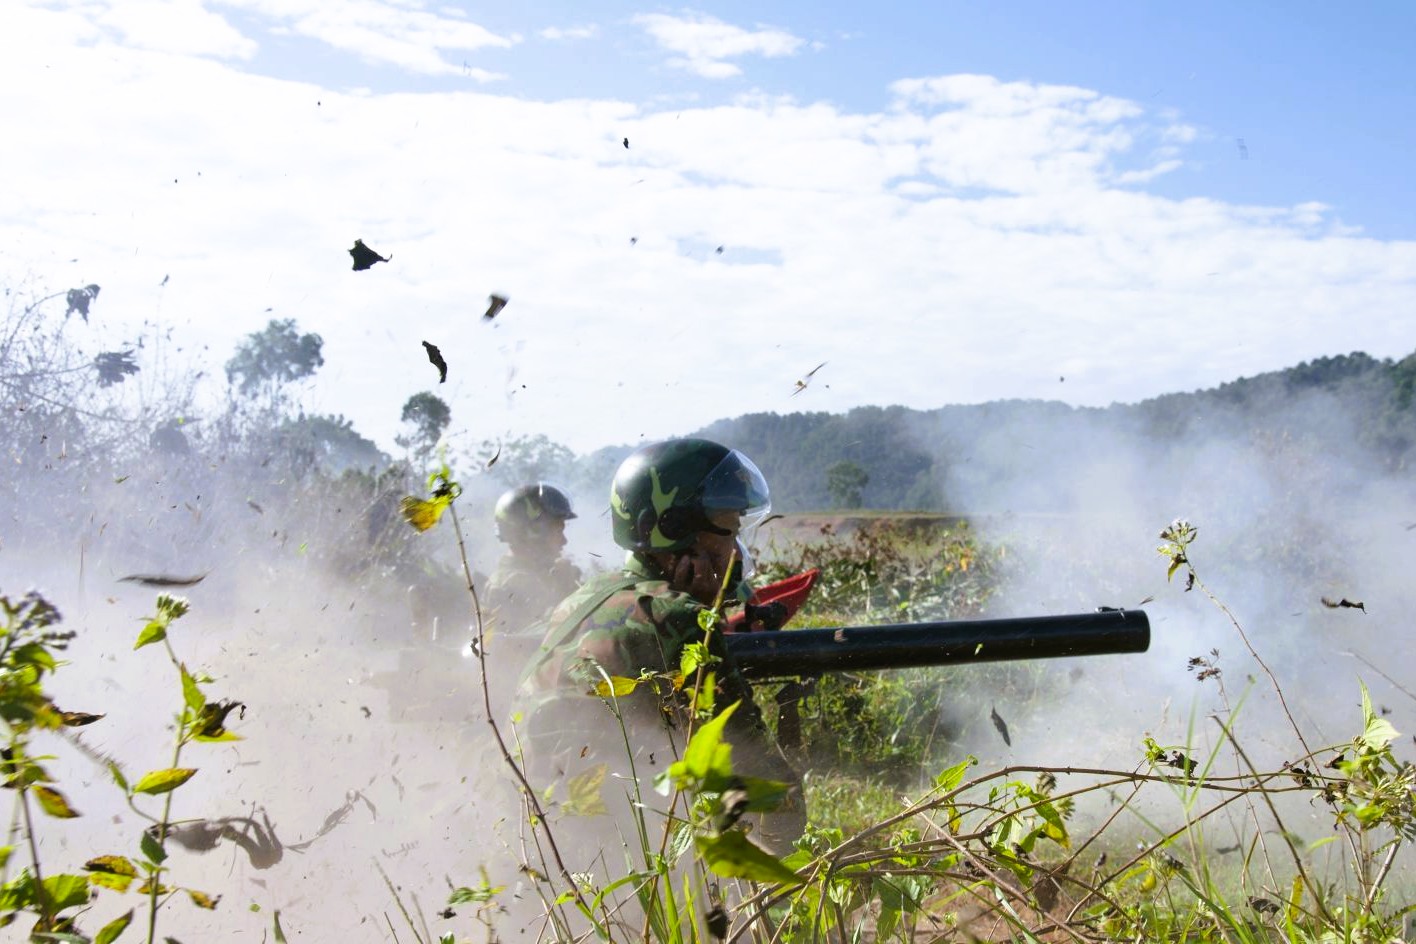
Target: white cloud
171	26
1149	173
704	43
559	33
955	247
400	34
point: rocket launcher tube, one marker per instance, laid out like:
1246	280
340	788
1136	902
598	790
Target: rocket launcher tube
793	652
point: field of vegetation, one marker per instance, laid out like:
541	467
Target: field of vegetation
227	713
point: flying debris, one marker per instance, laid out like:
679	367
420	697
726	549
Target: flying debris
803	382
164	281
495	303
497	455
79	299
1180	761
364	257
257	508
1344	603
633	240
257	840
1243	149
719	250
626	144
436	358
1002	727
162	580
114	367
717	922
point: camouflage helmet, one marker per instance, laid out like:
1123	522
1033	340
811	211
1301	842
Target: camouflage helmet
524	512
667	492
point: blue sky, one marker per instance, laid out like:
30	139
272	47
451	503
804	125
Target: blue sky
1319	94
946	203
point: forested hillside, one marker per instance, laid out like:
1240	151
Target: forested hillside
939	460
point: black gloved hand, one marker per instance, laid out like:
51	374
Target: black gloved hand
766	616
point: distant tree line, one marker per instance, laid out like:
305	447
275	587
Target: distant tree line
65	397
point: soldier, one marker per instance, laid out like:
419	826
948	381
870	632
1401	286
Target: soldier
531	576
678	508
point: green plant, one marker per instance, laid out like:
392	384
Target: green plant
891	571
28	646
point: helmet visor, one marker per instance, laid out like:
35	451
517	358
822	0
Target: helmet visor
736	486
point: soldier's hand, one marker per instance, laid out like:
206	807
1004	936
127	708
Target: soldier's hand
766	616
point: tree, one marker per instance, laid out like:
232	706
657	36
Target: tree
326	442
526	459
429	415
268	360
844	480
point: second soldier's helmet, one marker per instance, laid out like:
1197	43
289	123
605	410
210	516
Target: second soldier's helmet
526	511
667	492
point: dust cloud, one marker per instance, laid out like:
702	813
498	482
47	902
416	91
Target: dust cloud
1292	509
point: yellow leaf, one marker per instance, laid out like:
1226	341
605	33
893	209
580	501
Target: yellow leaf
584	789
422	514
112	865
1295	900
163	781
617	686
202	899
53	802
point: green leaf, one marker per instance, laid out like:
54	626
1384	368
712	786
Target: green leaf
27	772
154	631
163	781
67	891
695	654
118	777
1378	731
191	692
35	654
763	796
279	934
480	895
110	931
5	852
584	789
53	802
707	759
152	849
1053	826
951	778
733	855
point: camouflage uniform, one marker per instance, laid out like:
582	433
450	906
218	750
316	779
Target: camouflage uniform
642	626
532	576
521	590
